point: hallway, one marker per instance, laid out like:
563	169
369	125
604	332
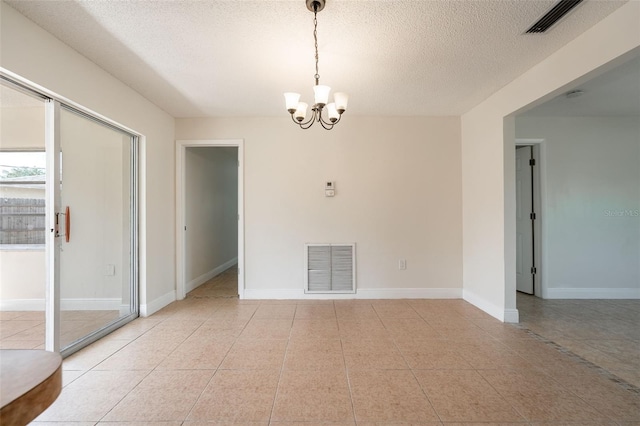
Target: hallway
220	286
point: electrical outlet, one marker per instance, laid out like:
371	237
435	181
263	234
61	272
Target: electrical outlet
110	270
402	264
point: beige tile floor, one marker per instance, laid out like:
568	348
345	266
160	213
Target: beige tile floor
25	329
223	285
603	332
220	360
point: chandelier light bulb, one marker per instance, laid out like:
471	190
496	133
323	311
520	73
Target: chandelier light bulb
321	94
291	100
301	111
333	112
341	101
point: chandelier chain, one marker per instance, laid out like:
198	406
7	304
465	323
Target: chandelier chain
315	38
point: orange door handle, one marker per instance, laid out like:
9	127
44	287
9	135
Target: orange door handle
67	224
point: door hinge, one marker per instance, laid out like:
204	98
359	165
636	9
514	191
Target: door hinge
532	162
533	270
532	216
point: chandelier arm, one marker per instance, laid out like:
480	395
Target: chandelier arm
310	120
327	126
294	120
329	123
305	126
307	123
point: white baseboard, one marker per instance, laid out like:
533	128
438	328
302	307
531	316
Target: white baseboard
511	316
363	293
103	304
197	282
22	305
592	293
505	315
410	293
125	309
157	304
90	304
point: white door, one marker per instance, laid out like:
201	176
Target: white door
524	222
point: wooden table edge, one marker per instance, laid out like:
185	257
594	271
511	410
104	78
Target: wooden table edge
32	403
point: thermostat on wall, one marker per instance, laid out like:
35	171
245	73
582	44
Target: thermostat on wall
329	189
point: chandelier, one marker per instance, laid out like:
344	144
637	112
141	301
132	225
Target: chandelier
297	109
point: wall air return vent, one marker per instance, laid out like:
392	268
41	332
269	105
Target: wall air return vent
556	13
330	268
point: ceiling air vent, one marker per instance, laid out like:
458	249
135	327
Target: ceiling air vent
554	15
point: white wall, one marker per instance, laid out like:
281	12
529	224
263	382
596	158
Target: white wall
397	197
488	149
211	204
22	280
36	55
592	216
22	127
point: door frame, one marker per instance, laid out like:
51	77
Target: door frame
525	205
181	148
540	206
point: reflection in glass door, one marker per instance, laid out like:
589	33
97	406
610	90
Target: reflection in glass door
96	222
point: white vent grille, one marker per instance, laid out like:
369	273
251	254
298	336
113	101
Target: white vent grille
330	268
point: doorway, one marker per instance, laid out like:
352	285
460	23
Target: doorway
209	216
528	217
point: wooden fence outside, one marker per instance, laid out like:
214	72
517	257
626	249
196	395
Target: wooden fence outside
22	221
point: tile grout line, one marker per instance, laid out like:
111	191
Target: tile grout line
529	421
135	386
125	395
151	370
413	374
215	372
344	365
284	359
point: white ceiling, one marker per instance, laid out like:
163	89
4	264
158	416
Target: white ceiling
615	93
235	58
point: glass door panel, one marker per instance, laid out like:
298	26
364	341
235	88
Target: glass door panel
96	224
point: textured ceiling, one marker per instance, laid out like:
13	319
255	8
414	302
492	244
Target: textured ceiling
236	58
615	93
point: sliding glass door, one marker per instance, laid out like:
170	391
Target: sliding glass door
78	226
95	227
